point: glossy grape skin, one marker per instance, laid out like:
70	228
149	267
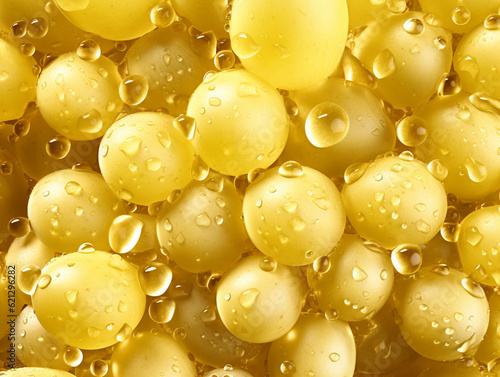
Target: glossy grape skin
37	372
86	312
227	373
291	45
489	349
453	370
206	16
361	12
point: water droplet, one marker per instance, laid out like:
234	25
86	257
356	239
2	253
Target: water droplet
412	131
423	226
215	184
438	169
86	248
162	15
89	50
492	22
396	6
179	333
202	220
161	310
451	84
322	203
467	345
90	122
130	146
38	27
440	43
247	298
332	315
326	125
287	367
246	89
413	26
355	172
484	102
99	368
124	333
133	89
124	233
460	15
224	60
291	169
384	275
19	28
334	357
155	278
473	236
268	264
244	46
322	265
406	259
44	281
72	356
281	51
18	226
358	274
71	296
384	64
473	288
209	314
58	147
186	125
199	169
204	44
27	278
450	231
477	171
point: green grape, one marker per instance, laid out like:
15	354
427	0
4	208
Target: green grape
460	16
443	314
294	214
174	69
196	324
143	158
358	283
151	355
291	45
89	299
453	138
110	19
236	97
361	12
206	213
314	347
394	200
70	207
453	370
259	300
478	245
475	57
37	372
35	347
370	133
37	158
206	16
489	349
393	48
17	81
79	98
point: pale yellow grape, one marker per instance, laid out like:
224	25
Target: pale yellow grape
17	81
143	158
294	219
316	347
35	347
257	303
203	229
478	245
463	135
489	349
371	131
394	46
227	372
241	122
87	299
361	12
443	314
476	57
205	16
70	207
151	355
111	19
358	283
37	372
173	68
470	13
79	98
453	370
290	44
394	200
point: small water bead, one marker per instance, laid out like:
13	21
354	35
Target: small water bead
450	84
460	15
322	265
155	278
19	28
396	6
355	172
412	131
413	26
199	169
358	274
133	89
204	44
99	368
38	27
291	169
18	226
450	231
28	49
44	281
27	278
473	288
90	122
124	233
326	124
332	315
89	50
163	14
130	146
124	333
247	298
287	367
161	310
224	60
186	125
268	264
244	46
73	356
384	64
334	357
485	102
492	22
438	169
22	127
477	171
58	147
406	259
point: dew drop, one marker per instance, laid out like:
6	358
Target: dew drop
224	60
492	22
204	44
133	89
354	172
199	169
90	122
438	169
99	368
18	227
384	64
412	131
268	264
334	357
244	46
460	15
155	278
88	50
406	259
358	274
161	310
124	233
163	14
124	333
477	171
44	281
291	169
247	298
326	124
58	147
72	5
72	356
130	146
473	288
287	367
27	278
186	125
71	296
322	265
413	26
202	220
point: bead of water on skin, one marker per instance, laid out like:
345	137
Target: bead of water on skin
99	368
244	46
73	356
413	26
22	127
291	169
411	131
124	233
161	310
155	278
326	125
58	147
162	15
224	59
89	50
384	64
406	259
27	278
186	125
204	44
450	84
18	227
492	22
133	89
460	15
38	27
438	169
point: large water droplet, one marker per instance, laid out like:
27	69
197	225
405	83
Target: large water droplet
186	125
244	46
413	26
406	259
412	131
72	356
162	15
199	169
322	265
161	310
88	50
27	278
130	146
326	124
477	171
384	64
204	44
450	84
90	122
268	264
124	333
58	147
155	278
99	368
287	367
460	15
355	172
72	5
124	233
473	288
71	296
224	60
291	169
18	227
492	22
133	89
247	298
438	169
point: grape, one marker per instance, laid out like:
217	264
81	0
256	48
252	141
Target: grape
361	12
489	349
89	299
290	45
452	370
70	207
227	372
207	16
143	158
79	98
37	372
241	122
259	300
